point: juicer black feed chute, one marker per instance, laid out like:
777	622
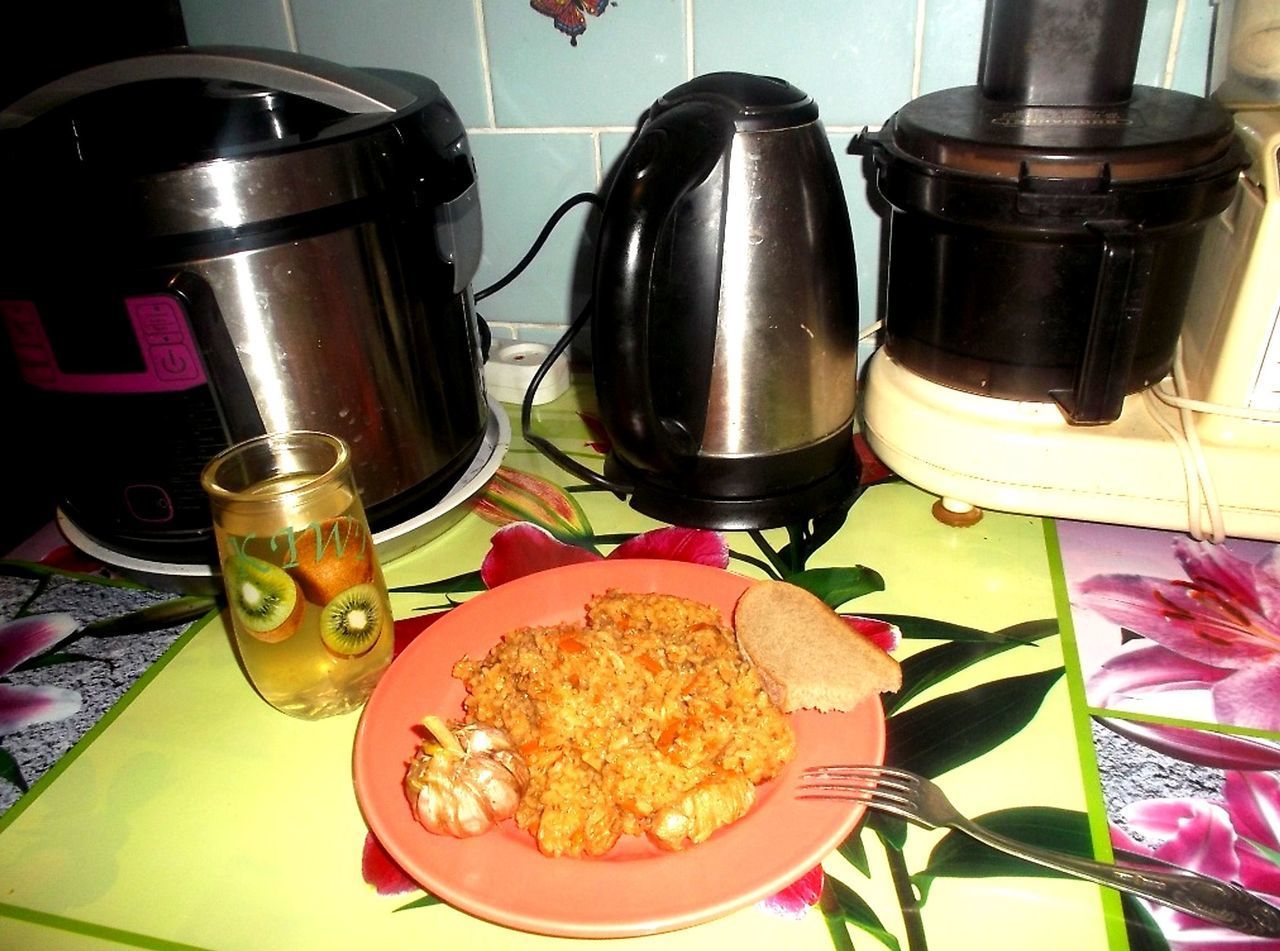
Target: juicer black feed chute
1044	224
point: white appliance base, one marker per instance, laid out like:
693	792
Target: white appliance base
390	543
1023	457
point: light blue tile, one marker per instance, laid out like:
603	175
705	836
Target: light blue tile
952	44
612	147
1192	63
523	178
1157	31
239	22
627	57
438	39
1191	70
853	56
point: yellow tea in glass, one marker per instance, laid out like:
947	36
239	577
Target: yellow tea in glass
305	593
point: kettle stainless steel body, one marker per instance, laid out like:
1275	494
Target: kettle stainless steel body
725	329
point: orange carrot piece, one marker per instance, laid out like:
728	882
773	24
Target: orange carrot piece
667	736
571	645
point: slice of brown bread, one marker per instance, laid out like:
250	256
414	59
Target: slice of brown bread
806	655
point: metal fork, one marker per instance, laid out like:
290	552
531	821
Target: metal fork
913	797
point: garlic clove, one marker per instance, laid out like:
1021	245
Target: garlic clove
465	779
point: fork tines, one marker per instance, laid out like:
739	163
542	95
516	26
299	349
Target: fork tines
875	785
869	777
856	769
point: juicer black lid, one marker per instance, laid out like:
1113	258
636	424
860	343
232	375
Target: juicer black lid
756	102
1157	133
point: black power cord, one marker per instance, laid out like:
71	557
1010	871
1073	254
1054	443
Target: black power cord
581	198
526	406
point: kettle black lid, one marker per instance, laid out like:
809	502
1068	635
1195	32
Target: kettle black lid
757	102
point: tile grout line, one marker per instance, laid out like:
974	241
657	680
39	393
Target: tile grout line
688	39
290	28
917	51
477	7
627	129
1175	40
548	129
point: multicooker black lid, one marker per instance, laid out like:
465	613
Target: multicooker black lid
154	145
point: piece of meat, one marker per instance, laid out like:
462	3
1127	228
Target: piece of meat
708	806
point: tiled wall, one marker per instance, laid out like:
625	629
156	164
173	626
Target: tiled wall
546	118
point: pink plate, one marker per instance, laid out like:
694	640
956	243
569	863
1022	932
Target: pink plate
637	888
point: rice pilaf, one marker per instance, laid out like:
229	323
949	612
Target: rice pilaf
644	720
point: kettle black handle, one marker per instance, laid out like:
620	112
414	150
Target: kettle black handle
674	153
350	90
1102	378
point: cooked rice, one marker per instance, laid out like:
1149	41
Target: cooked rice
645	720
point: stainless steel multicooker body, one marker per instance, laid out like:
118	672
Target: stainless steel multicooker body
209	244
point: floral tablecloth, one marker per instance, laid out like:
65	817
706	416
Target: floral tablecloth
1084	687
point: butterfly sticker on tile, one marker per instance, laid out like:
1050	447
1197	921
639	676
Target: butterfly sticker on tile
570	15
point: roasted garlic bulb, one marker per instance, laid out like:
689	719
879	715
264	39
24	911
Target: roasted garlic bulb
465	779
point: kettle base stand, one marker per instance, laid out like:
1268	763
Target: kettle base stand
1023	457
667	501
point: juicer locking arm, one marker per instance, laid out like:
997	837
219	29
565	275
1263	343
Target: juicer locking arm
1102	377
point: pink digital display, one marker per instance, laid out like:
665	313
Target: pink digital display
169	357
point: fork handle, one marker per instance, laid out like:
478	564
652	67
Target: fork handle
1207	898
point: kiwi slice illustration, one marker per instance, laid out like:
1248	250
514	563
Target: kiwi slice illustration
264	599
351	622
332	556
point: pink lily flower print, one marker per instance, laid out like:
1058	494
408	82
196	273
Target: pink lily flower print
20	640
794	901
1217	632
1235	839
522	548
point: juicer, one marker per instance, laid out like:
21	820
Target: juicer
1005	389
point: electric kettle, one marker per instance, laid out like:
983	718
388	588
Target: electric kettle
725	329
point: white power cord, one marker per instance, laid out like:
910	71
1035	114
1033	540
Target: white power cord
1202	496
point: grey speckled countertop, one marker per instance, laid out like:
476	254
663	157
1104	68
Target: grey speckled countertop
1131	772
101	671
